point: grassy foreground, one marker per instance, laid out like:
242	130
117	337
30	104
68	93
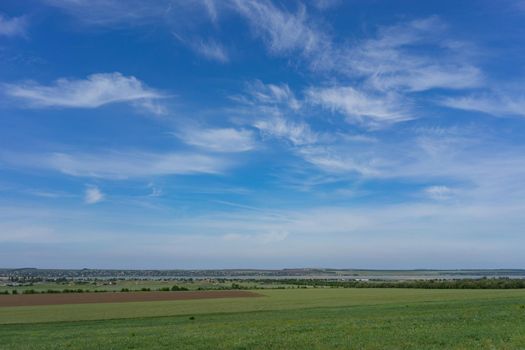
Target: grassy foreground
291	319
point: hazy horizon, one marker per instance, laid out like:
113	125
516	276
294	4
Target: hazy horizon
260	269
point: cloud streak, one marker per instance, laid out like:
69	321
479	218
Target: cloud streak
218	140
107	13
391	60
298	133
120	165
209	49
361	108
95	91
13	27
501	104
283	32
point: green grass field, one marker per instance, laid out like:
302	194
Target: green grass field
285	319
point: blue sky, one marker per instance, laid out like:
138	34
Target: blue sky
228	134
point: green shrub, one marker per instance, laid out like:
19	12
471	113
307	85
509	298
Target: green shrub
176	288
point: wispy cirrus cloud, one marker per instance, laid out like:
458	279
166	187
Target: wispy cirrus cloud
182	17
218	139
111	12
14	26
282	31
497	104
47	193
393	59
390	60
93	195
272	109
95	91
134	12
332	160
438	192
263	96
382	73
209	49
360	107
326	4
298	133
276	113
119	165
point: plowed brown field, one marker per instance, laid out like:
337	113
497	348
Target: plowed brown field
116	297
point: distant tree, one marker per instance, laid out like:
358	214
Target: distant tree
178	288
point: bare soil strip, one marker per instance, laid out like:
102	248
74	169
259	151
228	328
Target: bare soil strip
116	297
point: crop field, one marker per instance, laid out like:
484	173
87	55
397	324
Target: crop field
94	298
287	319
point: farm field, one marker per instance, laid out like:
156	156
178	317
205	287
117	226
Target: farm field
94	298
292	319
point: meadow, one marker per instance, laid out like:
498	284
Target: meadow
292	318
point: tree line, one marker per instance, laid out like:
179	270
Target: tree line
482	283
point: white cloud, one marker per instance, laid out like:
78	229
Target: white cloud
382	73
438	192
259	94
136	12
428	77
47	194
211	8
119	165
360	107
270	108
93	195
94	91
392	60
298	133
211	50
11	27
218	140
495	104
155	190
106	12
334	161
388	61
326	4
282	31
482	169
276	107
